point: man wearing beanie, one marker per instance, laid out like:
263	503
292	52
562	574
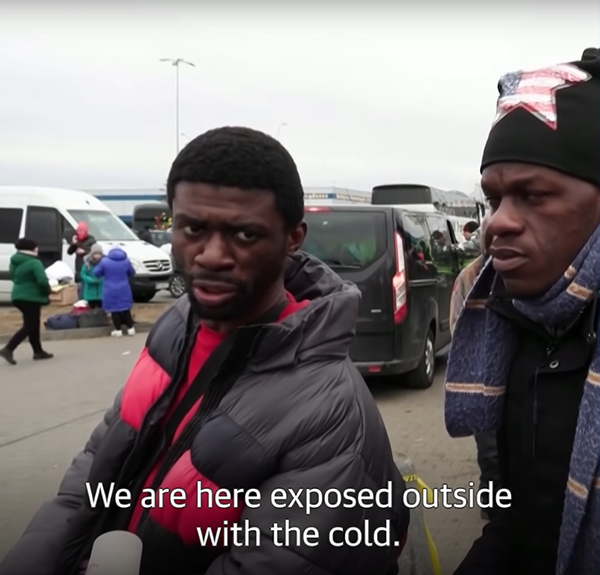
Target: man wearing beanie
525	359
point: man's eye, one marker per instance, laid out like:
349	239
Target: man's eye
246	236
535	196
193	230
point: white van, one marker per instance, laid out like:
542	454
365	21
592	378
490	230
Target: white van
49	216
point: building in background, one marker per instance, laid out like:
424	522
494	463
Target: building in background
328	195
123	201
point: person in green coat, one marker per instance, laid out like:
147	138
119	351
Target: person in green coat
31	291
92	286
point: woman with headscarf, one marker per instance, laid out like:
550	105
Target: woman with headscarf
81	245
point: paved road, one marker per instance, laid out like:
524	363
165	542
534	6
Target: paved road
48	409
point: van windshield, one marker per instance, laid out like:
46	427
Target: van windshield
346	239
104	225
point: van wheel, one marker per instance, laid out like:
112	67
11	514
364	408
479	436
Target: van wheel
177	285
422	377
144	296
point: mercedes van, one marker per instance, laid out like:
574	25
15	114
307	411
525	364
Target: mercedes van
404	262
50	216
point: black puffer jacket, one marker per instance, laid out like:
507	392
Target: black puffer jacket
298	415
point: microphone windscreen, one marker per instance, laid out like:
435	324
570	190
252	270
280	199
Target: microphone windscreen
115	553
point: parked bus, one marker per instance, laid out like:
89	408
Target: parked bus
155	215
458	206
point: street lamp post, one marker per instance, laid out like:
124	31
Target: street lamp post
176	62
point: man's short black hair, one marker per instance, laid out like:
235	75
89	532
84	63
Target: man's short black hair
241	158
470	227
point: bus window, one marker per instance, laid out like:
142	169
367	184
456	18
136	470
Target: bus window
156	216
401	194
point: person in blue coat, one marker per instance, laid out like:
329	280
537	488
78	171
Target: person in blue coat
117	298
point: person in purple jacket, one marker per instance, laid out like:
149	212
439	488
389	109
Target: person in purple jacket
117	299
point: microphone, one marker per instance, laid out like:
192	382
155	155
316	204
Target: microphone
115	553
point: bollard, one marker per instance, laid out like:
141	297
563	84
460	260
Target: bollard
419	556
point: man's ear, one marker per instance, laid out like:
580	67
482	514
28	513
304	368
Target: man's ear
296	237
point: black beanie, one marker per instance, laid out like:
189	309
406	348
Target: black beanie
25	244
550	117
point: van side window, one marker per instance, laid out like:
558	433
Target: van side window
43	225
416	236
441	240
10	224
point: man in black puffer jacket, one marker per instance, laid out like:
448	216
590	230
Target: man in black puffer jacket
245	384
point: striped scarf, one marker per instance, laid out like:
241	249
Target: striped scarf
483	346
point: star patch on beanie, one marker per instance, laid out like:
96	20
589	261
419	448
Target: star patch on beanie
550	117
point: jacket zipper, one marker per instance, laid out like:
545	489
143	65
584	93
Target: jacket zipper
549	351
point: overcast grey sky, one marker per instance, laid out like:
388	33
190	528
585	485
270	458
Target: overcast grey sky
369	95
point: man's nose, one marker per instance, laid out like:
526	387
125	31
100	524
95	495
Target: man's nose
215	254
506	219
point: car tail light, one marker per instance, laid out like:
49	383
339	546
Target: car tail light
399	282
317	209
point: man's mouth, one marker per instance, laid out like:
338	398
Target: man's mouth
506	260
213	294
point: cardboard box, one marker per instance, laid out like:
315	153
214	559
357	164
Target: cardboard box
64	295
